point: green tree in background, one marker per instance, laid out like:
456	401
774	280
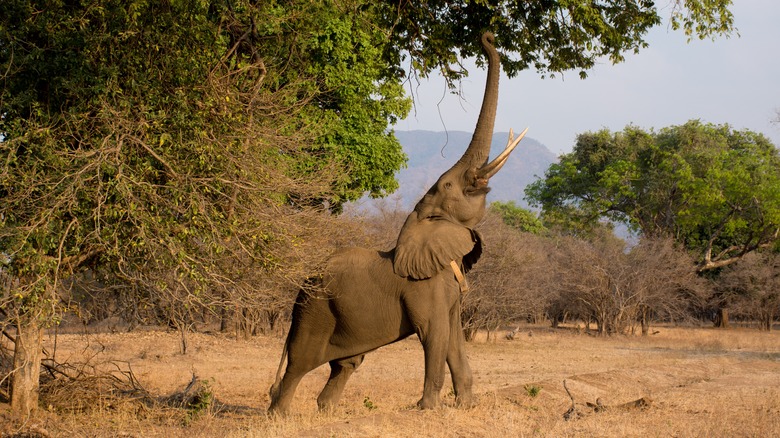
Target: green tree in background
714	189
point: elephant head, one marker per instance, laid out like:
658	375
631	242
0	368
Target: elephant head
439	230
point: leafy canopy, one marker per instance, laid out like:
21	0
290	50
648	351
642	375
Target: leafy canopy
712	188
549	36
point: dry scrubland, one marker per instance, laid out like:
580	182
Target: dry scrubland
702	382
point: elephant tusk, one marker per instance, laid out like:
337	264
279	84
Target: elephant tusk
490	169
462	283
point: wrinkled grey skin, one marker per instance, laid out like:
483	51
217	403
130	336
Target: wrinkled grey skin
367	299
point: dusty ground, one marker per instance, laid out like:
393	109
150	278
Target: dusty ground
698	382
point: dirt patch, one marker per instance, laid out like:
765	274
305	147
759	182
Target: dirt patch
701	382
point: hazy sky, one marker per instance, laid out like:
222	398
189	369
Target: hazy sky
734	81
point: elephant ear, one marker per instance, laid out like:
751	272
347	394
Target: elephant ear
470	259
427	246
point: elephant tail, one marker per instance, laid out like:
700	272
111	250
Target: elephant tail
277	386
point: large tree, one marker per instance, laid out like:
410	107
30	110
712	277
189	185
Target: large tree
170	147
714	189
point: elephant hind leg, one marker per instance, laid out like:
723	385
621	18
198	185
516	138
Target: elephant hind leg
340	370
283	392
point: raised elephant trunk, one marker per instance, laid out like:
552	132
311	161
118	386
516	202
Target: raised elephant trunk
439	232
479	149
474	163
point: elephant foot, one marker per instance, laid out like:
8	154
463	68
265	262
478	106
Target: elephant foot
275	411
465	401
280	407
428	403
325	407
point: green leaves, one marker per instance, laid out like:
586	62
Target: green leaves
702	18
517	217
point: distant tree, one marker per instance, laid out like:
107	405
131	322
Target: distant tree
518	217
713	189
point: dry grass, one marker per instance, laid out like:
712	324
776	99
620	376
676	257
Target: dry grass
702	382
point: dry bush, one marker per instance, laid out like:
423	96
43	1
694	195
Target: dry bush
381	224
509	283
598	280
83	387
248	297
584	286
752	286
95	386
668	288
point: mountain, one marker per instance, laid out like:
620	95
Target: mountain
432	153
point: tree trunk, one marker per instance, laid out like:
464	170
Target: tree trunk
645	323
184	344
25	379
722	318
602	323
769	318
223	318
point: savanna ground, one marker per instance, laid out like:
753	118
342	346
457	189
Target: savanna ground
701	382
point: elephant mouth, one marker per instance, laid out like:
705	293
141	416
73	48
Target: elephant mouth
478	190
478	185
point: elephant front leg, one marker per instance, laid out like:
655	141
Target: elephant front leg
340	370
435	345
458	362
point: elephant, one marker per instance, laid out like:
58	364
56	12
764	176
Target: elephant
365	299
